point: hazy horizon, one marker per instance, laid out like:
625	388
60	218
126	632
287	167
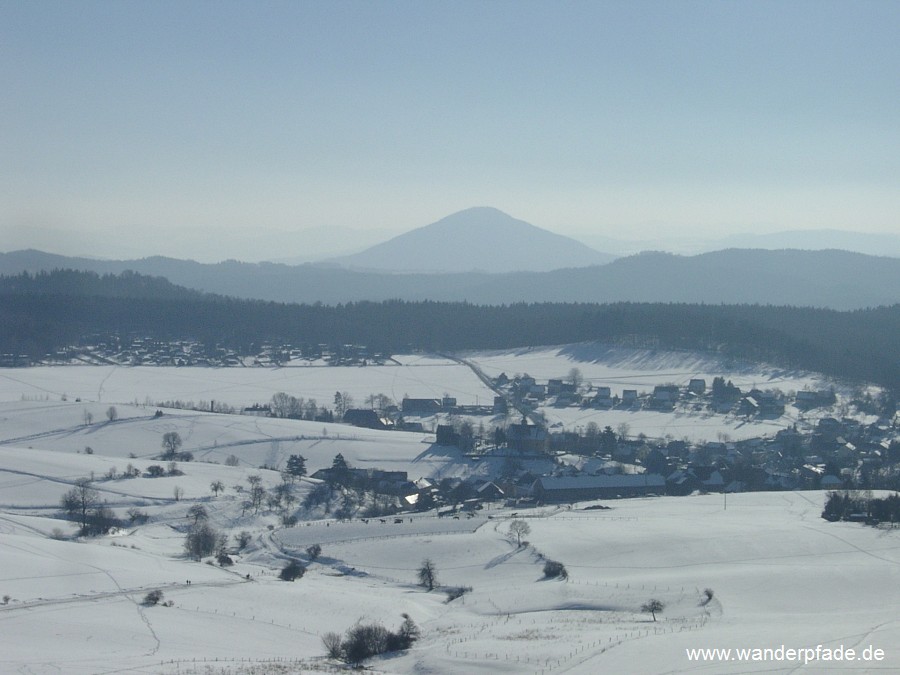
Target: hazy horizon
215	131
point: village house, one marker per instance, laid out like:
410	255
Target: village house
697	386
501	407
602	398
447	435
558	489
388	482
526	438
421	406
664	397
761	403
814	399
367	419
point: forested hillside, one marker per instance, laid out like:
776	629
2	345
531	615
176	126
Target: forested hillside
41	313
829	279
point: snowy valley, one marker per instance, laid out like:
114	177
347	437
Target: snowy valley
732	570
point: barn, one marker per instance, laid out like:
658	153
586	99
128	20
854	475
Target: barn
555	489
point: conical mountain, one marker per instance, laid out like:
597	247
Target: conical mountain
480	238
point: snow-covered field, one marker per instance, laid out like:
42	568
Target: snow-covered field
415	376
255	441
780	574
423	376
642	369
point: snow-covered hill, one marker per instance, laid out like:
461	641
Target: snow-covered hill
780	575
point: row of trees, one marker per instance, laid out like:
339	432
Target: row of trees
285	405
363	641
292	407
851	505
112	414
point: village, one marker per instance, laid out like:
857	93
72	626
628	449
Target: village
138	350
525	463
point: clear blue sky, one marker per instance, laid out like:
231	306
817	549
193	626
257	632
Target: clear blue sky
171	127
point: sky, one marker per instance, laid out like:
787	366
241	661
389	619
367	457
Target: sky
214	130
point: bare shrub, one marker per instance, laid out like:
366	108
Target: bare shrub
364	641
243	539
427	574
455	592
153	598
333	645
555	570
203	540
136	516
293	570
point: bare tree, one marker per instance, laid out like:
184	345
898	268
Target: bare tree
80	501
379	402
343	402
217	486
653	606
171	442
466	436
333	645
178	493
112	414
520	529
285	405
88	417
257	491
203	540
197	513
427	574
575	377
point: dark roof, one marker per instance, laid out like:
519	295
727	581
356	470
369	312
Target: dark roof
625	480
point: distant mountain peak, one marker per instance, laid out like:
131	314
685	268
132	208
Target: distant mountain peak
478	238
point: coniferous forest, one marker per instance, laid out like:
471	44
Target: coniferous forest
44	312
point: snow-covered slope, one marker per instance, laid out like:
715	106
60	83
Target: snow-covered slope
780	575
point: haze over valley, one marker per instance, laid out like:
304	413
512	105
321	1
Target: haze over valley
457	338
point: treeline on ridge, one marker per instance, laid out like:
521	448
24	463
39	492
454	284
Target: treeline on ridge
44	312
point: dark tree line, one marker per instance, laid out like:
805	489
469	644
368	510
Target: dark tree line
42	313
849	506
